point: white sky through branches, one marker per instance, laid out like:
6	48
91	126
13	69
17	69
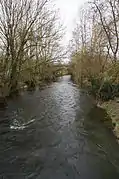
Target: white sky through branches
68	10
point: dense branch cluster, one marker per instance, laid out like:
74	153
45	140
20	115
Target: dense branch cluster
30	36
95	44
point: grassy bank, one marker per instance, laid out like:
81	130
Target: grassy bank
112	108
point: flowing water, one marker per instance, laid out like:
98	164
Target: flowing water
56	133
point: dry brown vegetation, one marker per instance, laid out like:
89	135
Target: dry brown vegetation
95	54
30	35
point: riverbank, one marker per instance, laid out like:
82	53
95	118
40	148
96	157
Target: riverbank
23	88
112	109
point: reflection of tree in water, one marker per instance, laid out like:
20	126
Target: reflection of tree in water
100	114
98	124
100	138
4	122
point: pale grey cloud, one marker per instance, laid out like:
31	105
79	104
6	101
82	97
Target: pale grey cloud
68	10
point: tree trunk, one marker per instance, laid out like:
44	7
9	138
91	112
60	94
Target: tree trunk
13	84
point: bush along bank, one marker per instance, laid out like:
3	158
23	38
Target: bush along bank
105	92
95	50
103	85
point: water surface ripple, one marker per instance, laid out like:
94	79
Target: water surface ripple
50	134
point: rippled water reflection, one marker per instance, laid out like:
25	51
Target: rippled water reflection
52	134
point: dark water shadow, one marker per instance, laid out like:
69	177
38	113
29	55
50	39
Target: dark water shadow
100	123
100	114
100	138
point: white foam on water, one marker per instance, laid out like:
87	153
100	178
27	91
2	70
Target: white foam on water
17	127
21	127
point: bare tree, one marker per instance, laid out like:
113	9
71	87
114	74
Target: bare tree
108	11
30	38
16	20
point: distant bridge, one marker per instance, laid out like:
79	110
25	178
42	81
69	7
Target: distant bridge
61	69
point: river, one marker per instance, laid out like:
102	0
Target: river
55	133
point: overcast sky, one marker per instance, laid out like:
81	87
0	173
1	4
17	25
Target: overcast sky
69	12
